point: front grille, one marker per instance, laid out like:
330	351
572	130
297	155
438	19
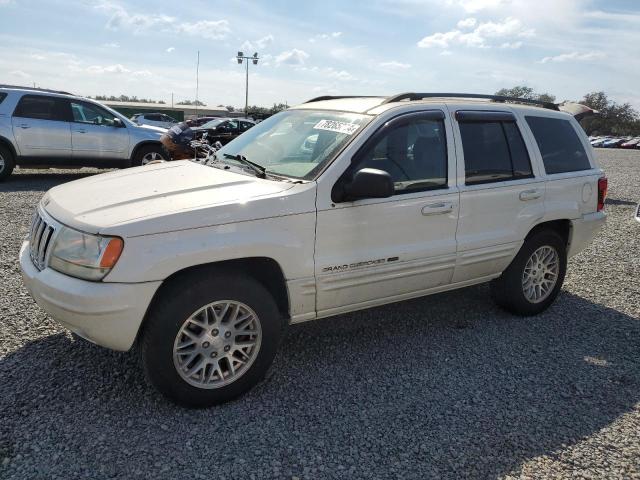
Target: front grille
40	240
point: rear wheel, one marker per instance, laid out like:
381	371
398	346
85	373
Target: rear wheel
7	162
534	278
148	154
209	339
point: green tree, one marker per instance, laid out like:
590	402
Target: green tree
522	91
612	118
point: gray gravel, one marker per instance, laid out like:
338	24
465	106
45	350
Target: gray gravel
445	386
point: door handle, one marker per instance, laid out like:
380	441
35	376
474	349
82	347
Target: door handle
530	195
25	126
437	208
81	131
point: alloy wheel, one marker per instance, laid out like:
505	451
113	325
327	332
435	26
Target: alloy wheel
217	344
151	157
540	274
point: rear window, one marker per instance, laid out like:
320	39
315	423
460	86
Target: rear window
559	144
493	152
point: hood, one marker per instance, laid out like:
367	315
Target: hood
153	128
165	197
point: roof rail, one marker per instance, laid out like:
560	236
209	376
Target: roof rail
338	97
496	98
36	89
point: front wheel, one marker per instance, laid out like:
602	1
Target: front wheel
7	162
148	154
534	278
209	339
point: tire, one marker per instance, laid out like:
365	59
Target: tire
175	310
147	154
7	162
510	290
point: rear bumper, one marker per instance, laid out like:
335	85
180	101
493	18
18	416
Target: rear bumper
108	314
584	230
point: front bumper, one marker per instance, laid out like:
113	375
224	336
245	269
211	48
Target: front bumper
109	314
584	230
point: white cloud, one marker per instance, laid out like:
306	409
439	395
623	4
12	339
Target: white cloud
37	56
446	53
19	73
473	6
171	49
116	69
339	75
325	36
292	57
467	23
211	29
573	56
511	45
393	65
260	44
264	42
111	45
480	37
140	22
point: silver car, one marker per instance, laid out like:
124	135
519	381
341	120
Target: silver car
47	128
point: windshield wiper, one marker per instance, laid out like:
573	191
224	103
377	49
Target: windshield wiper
259	170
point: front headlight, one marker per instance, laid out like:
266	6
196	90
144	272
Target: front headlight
83	255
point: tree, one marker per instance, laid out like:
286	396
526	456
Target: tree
522	91
192	102
612	119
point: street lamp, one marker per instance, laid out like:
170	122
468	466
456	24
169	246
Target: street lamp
254	59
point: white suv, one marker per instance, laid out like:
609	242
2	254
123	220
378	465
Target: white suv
154	119
332	206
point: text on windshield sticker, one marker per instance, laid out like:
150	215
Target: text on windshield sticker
335	126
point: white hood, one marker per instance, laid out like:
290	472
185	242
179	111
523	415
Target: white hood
165	197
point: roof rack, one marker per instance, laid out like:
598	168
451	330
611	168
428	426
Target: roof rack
37	89
496	98
338	97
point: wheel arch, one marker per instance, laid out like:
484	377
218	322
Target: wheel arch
6	143
562	227
265	270
142	144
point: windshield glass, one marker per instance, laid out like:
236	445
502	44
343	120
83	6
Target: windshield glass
212	123
296	143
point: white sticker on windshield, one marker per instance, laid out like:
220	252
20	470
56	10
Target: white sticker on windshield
335	126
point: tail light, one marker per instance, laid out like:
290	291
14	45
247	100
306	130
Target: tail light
603	184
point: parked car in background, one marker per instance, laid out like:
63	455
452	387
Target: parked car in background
599	141
633	143
203	267
178	138
154	119
197	122
47	128
613	143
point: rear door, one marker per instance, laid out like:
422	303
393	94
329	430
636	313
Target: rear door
501	192
41	128
95	137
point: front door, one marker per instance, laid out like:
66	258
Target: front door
373	251
41	129
95	136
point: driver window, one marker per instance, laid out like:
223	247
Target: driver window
413	153
87	113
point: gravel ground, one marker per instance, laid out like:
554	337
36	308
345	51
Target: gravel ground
444	386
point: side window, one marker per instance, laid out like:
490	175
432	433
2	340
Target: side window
493	152
559	144
414	153
244	126
42	108
88	113
2	96
232	126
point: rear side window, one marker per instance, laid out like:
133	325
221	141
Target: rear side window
42	108
493	152
3	95
559	144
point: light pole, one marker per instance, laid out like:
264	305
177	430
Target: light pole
254	59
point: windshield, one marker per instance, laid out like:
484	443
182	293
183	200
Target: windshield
296	143
213	123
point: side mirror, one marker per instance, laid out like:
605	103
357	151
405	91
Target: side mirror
368	183
117	123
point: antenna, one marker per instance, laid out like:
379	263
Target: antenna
197	81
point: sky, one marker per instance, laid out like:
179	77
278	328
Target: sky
307	49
